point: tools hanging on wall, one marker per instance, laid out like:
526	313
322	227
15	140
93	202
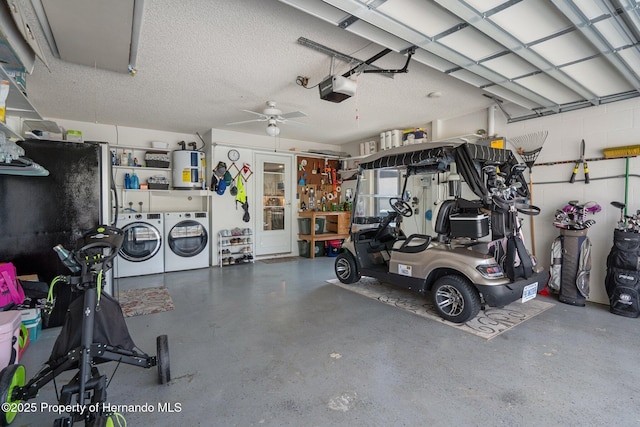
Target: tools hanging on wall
577	165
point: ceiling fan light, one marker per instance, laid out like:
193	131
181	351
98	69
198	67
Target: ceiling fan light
273	129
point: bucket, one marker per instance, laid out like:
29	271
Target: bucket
9	337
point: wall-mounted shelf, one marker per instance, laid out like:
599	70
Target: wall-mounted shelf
172	193
18	105
141	168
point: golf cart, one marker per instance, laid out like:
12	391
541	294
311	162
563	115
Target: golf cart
475	258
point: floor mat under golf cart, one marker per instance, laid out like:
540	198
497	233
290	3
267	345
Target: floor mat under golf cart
487	324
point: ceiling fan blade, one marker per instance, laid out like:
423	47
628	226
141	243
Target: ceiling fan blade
293	115
293	123
246	121
257	114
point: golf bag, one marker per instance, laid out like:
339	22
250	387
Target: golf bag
571	266
623	277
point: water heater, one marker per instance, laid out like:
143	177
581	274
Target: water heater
188	169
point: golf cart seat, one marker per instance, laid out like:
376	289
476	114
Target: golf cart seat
443	223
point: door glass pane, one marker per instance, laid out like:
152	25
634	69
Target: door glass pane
274	196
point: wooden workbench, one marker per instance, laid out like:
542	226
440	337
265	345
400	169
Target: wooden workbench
337	224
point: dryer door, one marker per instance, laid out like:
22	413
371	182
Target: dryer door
141	242
187	238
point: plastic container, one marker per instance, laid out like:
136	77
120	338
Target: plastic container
32	319
319	226
304	225
135	182
127	181
303	248
334	247
469	225
9	337
318	249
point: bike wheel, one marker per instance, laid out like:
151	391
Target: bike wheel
164	370
10	377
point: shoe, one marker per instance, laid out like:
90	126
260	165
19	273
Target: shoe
225	261
232	260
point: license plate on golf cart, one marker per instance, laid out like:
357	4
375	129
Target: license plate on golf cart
529	292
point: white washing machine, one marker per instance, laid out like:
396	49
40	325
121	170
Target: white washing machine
142	250
187	241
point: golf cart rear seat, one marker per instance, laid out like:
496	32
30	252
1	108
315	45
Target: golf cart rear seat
443	223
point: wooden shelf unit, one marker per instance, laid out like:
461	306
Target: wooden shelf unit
336	222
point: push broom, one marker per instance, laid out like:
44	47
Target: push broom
625	151
529	147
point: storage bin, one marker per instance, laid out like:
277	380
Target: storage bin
320	221
334	247
153	186
303	248
318	249
472	226
304	225
32	319
9	337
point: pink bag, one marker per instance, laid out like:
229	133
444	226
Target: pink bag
10	290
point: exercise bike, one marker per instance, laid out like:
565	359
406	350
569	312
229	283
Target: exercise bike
94	332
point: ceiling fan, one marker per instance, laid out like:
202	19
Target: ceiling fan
272	116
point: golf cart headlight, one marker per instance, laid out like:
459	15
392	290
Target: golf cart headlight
491	271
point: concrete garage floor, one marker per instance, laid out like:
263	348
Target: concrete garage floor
275	345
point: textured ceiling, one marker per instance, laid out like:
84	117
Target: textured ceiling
201	63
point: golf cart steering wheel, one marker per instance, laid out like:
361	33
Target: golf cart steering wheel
401	207
383	228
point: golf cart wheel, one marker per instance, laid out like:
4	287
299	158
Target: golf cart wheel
10	377
455	299
346	268
164	370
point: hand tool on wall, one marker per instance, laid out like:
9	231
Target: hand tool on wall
577	165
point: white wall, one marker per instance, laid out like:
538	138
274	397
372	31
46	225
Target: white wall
128	136
218	142
223	210
611	125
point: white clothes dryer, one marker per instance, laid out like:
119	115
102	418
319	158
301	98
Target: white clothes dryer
142	250
187	241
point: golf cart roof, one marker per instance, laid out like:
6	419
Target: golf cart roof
428	157
435	157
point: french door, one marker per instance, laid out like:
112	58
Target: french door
273	227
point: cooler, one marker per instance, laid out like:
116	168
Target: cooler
9	337
33	321
472	226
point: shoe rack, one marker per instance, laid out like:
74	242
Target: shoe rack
235	246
